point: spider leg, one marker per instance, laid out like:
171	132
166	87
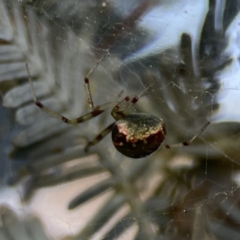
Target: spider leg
97	110
136	98
124	107
187	143
100	136
86	83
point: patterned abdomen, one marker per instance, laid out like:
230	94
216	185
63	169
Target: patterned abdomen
138	135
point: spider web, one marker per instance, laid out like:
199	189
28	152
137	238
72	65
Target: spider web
185	54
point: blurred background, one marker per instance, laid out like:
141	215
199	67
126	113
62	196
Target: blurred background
185	54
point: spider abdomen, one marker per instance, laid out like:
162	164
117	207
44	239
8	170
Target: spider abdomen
138	135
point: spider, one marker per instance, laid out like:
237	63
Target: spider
135	135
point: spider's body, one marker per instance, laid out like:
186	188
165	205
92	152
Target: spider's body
138	135
134	135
